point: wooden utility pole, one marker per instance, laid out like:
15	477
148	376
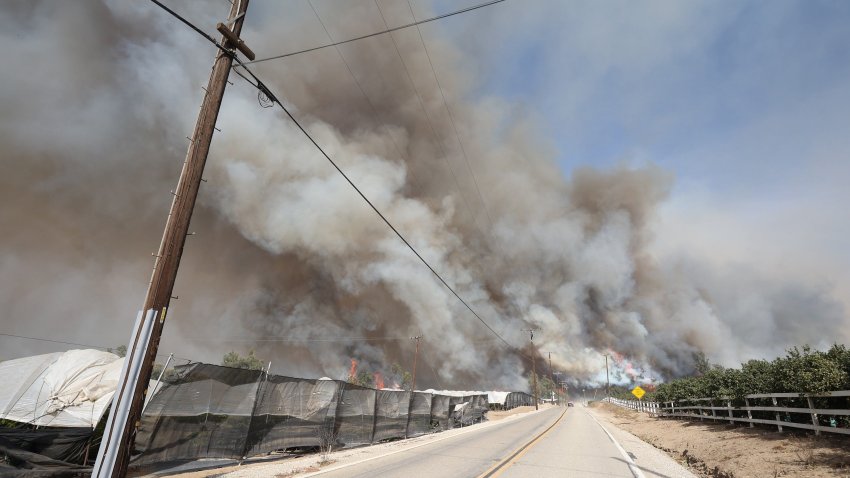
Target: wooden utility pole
168	256
551	375
607	381
533	368
412	385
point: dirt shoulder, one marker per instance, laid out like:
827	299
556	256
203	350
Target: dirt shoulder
727	451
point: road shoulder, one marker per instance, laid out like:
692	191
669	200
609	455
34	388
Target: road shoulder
650	461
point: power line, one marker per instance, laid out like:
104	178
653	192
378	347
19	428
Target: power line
439	142
193	27
451	117
362	91
72	343
257	83
294	340
439	17
54	341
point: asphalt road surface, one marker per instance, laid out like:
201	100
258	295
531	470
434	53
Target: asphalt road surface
558	442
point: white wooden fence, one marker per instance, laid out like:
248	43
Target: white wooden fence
651	408
723	409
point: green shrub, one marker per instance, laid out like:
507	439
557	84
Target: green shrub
800	371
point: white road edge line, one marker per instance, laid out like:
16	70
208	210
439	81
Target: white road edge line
632	465
436	440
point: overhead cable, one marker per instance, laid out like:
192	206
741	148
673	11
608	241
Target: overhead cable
439	142
451	118
439	17
54	341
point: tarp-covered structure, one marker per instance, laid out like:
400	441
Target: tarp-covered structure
57	399
204	411
61	389
509	400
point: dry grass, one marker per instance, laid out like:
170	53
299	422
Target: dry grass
722	450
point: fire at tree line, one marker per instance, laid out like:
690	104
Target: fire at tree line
801	370
399	378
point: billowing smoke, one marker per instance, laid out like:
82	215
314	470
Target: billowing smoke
289	261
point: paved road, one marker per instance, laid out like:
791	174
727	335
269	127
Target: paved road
572	444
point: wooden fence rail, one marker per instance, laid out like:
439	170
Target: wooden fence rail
726	408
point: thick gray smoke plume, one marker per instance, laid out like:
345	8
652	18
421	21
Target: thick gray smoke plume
96	100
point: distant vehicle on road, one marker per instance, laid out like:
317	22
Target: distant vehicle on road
570	404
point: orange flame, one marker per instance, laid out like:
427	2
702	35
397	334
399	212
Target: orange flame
352	372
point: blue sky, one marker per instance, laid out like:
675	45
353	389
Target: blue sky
747	104
671	80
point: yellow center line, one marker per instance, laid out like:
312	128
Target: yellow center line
503	465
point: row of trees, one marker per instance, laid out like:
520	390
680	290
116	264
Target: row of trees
801	370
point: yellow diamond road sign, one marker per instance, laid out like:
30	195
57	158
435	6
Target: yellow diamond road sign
638	392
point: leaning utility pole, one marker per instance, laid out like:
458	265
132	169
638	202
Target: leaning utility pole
412	385
533	368
125	415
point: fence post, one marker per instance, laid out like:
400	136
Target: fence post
749	412
261	379
814	415
779	425
713	411
729	409
375	418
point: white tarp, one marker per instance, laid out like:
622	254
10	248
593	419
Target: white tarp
492	396
61	389
497	397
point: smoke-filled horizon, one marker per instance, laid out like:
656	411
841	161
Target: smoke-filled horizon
290	262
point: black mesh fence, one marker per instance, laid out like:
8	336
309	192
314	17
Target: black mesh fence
391	414
203	411
440	412
518	399
355	415
420	414
291	413
210	411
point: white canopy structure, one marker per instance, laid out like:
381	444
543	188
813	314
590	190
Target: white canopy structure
493	397
61	389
